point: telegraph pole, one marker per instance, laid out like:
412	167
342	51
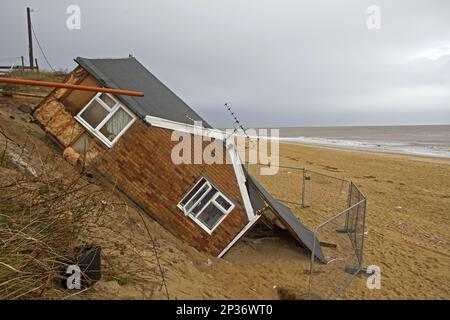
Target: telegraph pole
30	38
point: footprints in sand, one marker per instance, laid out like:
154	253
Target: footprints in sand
333	169
375	179
326	167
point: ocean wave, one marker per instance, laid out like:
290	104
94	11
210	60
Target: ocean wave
381	146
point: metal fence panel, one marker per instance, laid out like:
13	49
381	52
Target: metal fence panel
335	209
342	242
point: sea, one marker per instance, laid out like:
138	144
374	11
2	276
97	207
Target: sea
422	140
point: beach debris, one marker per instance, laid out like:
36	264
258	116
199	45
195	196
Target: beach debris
333	169
209	263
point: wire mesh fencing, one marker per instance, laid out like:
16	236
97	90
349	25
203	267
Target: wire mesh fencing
341	241
335	209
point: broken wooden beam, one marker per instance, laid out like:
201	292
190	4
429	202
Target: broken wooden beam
70	86
328	244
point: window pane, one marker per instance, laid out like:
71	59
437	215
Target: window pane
107	99
192	192
210	216
223	202
204	201
202	191
116	124
94	114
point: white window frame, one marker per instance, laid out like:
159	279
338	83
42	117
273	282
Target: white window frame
213	201
112	110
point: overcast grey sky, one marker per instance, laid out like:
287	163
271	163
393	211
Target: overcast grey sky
276	62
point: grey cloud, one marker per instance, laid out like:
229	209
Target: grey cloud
277	62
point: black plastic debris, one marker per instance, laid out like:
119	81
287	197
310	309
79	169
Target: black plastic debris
85	269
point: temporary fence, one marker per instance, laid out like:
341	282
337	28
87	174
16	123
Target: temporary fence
335	209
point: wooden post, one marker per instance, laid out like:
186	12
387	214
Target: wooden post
303	188
30	38
37	66
23	63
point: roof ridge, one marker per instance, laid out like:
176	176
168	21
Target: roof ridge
159	100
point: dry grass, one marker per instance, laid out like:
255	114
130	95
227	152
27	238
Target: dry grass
48	210
33	75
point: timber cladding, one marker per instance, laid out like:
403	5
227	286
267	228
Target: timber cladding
140	163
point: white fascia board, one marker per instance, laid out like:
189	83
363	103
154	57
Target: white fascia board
216	134
239	235
241	180
187	128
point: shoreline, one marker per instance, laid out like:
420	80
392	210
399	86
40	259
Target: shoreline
427	158
407	218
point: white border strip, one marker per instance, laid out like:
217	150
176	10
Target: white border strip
216	134
239	235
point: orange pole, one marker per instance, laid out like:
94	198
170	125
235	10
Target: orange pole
70	86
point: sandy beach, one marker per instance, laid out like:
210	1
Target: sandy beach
408	233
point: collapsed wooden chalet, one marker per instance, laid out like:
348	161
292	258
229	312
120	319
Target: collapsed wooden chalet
128	140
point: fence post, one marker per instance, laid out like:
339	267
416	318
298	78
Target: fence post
363	234
344	229
349	202
303	189
311	269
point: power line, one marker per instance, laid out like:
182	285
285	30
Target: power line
40	48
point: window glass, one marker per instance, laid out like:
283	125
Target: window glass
204	201
107	99
210	216
206	205
193	191
223	202
115	124
202	191
94	114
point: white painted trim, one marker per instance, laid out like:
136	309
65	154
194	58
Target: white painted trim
187	128
235	159
212	200
216	134
179	205
239	235
241	180
96	131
